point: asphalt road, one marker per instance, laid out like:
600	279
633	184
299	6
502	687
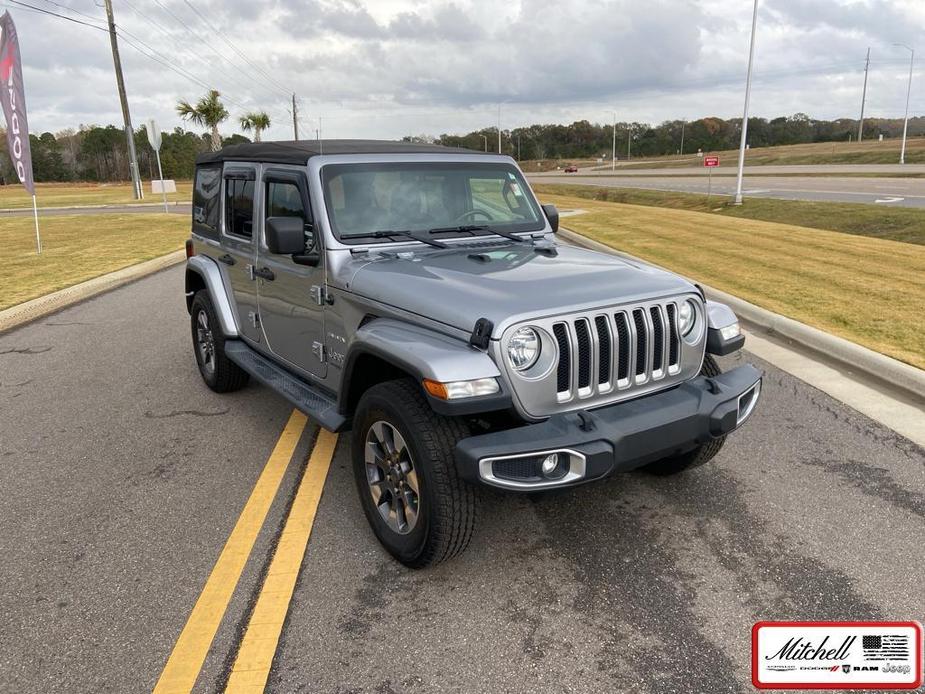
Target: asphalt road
885	192
180	208
123	476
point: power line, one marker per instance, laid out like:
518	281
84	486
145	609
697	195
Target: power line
197	37
222	36
187	49
71	9
55	14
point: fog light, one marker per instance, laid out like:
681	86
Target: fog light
549	465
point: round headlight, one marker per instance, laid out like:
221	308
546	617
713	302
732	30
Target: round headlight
523	349
687	318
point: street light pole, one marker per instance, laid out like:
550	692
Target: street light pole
902	152
499	128
863	97
748	91
613	153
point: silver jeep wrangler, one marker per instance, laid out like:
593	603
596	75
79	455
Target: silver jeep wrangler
416	296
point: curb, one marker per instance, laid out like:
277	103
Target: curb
902	376
42	306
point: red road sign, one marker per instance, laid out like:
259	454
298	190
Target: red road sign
711	161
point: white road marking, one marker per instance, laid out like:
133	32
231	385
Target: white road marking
889	199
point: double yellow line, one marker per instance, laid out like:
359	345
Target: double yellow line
255	656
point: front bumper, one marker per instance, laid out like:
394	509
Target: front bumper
614	438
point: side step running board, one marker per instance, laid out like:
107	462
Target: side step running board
302	395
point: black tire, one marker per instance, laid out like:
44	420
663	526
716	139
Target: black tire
701	455
219	373
446	506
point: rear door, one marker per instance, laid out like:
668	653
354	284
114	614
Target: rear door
291	303
238	254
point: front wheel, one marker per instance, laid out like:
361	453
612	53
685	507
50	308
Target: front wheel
418	507
701	455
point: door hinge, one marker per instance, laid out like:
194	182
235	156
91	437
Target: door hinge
254	318
320	296
249	269
319	351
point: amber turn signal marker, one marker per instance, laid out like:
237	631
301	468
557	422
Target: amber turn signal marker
435	388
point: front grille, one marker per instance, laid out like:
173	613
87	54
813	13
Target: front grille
616	350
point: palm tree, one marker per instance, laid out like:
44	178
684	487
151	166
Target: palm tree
257	121
208	111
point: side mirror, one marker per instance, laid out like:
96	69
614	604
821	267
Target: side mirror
285	235
552	214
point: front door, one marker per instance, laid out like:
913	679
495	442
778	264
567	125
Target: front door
291	294
238	252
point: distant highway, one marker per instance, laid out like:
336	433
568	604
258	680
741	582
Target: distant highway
885	191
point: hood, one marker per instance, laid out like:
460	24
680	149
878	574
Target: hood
512	283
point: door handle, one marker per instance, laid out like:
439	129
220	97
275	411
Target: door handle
227	259
265	273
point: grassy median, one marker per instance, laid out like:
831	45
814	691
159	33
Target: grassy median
68	194
905	224
78	248
867	290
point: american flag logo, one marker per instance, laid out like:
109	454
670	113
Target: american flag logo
885	647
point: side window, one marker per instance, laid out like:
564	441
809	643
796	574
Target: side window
206	206
284	199
239	207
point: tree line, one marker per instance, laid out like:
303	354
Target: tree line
95	153
583	139
98	153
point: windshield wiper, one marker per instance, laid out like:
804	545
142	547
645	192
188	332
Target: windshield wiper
478	227
407	233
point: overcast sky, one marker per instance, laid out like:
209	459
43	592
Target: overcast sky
387	68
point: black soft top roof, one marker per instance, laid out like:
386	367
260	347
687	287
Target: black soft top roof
299	152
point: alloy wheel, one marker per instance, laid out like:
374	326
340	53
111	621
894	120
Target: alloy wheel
392	478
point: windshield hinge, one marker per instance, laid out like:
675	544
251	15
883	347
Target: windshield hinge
481	333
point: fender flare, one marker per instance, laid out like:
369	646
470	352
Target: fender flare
210	274
424	353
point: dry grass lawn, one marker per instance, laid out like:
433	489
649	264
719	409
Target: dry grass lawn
865	152
870	291
67	194
78	248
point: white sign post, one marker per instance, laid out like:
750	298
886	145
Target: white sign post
154	138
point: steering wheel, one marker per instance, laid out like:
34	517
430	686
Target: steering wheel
472	213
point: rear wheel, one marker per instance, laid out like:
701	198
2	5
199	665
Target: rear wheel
418	507
220	373
698	456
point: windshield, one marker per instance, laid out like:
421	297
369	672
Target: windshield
451	198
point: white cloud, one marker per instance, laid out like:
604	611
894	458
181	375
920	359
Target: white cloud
385	68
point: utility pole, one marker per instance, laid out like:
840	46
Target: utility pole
683	123
518	146
629	140
485	137
295	119
863	97
748	92
138	192
613	150
902	152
